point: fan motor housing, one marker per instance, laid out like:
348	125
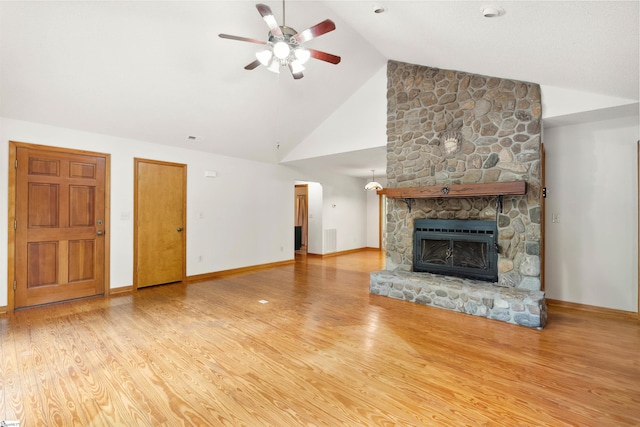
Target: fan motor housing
288	33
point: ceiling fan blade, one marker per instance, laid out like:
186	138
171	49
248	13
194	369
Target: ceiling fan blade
316	31
270	19
241	39
324	56
253	65
296	76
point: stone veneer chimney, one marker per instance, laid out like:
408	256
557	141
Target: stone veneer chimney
449	127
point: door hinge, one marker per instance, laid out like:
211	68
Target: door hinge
15	224
16	164
14	286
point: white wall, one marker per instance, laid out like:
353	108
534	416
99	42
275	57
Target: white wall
314	197
359	123
344	208
242	217
591	253
560	102
373	215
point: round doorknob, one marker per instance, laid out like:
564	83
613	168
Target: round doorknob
179	229
99	232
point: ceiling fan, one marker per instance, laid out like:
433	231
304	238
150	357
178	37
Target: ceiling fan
284	44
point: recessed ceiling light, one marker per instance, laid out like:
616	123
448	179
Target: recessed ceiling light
492	11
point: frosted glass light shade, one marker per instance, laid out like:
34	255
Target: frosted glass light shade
274	67
297	67
264	56
373	185
302	55
281	50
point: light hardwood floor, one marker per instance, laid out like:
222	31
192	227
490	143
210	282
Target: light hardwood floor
321	352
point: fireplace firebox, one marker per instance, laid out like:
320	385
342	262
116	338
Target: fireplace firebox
462	248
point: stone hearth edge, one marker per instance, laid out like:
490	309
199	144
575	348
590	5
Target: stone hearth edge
512	305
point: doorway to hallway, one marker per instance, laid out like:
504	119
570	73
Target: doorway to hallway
301	217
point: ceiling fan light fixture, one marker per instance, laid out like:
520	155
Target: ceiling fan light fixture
302	55
281	50
274	67
297	67
283	44
264	56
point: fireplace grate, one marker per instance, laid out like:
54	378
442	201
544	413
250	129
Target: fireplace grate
463	248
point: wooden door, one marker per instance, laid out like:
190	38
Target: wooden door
60	225
160	205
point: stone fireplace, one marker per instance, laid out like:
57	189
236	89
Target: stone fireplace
450	133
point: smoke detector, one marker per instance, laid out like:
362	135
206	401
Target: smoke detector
492	11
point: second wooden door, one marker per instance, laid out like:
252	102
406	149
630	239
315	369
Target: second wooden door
160	205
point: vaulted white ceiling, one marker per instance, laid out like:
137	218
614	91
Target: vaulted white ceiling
157	71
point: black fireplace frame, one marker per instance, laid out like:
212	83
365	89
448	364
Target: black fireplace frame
453	230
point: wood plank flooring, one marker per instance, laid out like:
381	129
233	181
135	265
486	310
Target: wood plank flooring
321	352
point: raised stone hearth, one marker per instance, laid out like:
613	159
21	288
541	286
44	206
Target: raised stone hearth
512	305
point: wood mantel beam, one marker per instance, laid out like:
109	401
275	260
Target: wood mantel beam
457	190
